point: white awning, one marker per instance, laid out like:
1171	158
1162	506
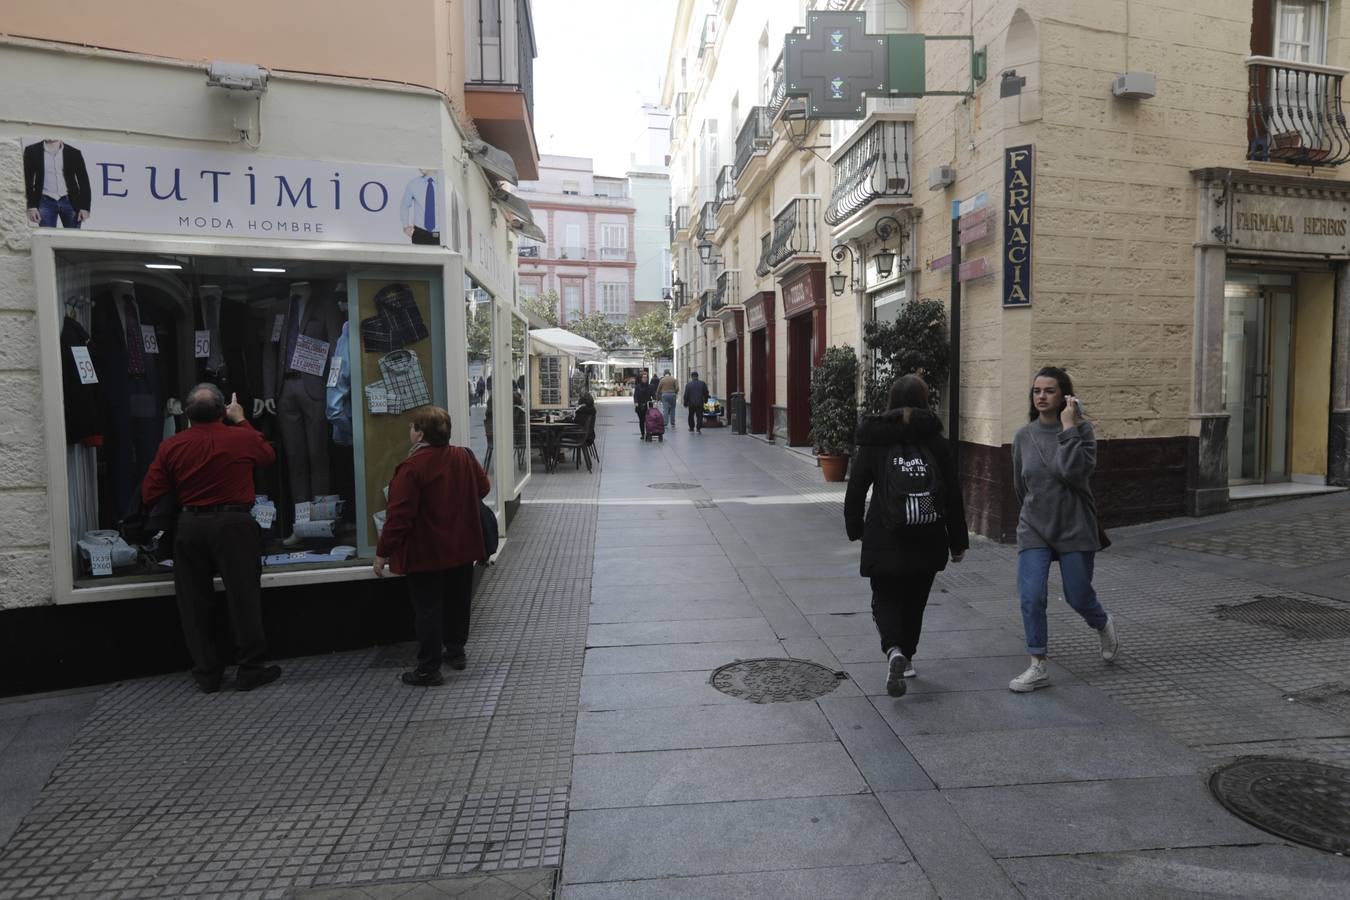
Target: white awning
559	340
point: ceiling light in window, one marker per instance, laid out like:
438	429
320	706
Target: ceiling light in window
269	270
171	266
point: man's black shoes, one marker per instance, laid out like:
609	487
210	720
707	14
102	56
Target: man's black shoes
454	658
207	684
418	678
248	679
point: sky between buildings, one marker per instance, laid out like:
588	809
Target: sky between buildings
599	60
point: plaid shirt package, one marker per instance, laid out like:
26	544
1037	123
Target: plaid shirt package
397	321
403	379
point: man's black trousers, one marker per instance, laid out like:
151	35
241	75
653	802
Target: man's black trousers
440	602
696	418
228	544
897	607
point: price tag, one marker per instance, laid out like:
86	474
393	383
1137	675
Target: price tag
84	365
310	355
201	344
149	340
264	515
302	512
277	325
378	398
100	560
334	371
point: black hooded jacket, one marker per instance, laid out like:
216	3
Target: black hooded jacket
919	548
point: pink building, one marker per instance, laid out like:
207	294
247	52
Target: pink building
589	224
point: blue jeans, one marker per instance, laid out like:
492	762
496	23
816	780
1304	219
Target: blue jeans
49	210
1033	576
668	407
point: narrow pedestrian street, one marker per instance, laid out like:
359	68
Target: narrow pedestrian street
586	745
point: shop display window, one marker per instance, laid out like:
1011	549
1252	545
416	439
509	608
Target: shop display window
325	358
520	409
478	326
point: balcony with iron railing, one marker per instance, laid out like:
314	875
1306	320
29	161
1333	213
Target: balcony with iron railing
703	305
708	39
726	185
707	220
755	137
875	167
794	231
765	244
499	40
681	221
728	291
1295	114
616	254
570	253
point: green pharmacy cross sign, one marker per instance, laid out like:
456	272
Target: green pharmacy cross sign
835	64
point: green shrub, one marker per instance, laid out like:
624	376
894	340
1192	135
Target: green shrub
915	342
834	401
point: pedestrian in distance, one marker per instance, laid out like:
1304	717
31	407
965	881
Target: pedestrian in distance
642	400
695	395
915	520
1054	455
209	469
433	536
668	390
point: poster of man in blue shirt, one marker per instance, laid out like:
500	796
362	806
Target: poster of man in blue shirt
420	211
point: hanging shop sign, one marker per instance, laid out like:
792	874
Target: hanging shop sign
115	187
1284	220
804	292
1018	171
759	310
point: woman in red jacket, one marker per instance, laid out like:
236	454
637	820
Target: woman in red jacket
433	536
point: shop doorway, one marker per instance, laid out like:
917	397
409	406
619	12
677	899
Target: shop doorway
800	333
733	367
1259	311
759	382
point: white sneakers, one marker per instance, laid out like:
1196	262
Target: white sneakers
1110	643
909	668
895	672
1036	676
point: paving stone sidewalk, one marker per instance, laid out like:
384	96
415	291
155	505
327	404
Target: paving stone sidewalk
585	733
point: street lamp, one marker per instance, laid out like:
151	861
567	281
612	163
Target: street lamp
884	259
839	281
705	249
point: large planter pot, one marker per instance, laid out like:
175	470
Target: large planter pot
833	466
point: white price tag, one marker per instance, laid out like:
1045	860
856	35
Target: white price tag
277	325
100	560
310	355
201	344
149	340
264	515
334	371
84	365
302	512
378	398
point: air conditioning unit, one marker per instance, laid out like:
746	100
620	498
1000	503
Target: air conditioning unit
1135	86
941	177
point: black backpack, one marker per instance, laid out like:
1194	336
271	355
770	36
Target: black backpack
911	486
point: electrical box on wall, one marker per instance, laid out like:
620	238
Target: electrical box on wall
940	177
1135	86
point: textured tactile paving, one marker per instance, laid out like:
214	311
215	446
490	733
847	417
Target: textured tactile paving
1296	618
338	774
1303	801
768	680
1294	542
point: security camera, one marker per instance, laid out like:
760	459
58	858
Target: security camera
245	78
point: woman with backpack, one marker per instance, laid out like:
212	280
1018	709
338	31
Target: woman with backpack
1054	455
916	518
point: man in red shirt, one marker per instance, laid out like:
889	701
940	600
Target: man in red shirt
209	469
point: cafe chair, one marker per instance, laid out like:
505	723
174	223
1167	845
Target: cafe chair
580	439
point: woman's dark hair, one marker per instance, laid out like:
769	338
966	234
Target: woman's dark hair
1065	387
587	399
908	391
434	423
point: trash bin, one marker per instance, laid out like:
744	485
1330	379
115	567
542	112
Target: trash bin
736	412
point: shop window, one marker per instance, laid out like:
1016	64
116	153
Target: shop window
325	358
479	334
520	411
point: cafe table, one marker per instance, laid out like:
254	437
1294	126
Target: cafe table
551	432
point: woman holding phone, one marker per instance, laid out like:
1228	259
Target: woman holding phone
1054	455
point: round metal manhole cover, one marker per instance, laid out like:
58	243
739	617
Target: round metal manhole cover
1303	801
772	680
673	486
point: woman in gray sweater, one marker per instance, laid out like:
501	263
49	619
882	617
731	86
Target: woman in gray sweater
1053	458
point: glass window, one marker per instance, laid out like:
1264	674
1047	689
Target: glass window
325	358
572	300
614	300
520	412
1299	31
478	306
613	241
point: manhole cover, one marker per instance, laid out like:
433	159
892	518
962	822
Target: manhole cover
775	680
1296	618
672	486
1303	801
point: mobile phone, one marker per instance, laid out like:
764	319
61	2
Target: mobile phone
1078	407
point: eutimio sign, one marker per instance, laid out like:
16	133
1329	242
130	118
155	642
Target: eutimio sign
113	187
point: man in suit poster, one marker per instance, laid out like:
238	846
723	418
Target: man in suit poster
56	184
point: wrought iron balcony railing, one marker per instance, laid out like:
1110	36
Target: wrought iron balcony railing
876	166
755	136
501	52
707	219
681	218
728	291
726	185
709	37
765	244
778	95
1294	113
703	306
794	231
571	252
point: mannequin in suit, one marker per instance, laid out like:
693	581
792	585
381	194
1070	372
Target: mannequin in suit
301	396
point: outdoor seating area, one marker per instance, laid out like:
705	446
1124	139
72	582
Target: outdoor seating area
553	433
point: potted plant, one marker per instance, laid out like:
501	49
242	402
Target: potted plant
834	409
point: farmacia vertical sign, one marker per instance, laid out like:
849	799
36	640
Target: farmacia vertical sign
1018	171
